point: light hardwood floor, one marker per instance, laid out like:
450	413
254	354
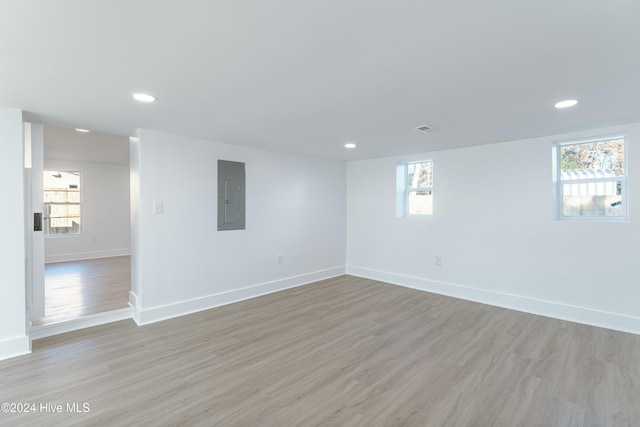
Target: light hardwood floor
340	352
79	288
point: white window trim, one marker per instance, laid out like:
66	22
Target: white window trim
402	189
81	203
558	182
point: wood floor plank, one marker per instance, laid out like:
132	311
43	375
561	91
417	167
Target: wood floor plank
76	289
340	352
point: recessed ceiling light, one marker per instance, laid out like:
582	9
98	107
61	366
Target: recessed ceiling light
143	97
566	104
349	145
82	130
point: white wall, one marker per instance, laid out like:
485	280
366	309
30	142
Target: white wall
105	213
494	228
135	226
13	338
295	208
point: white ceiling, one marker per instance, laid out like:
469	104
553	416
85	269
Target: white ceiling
67	144
308	76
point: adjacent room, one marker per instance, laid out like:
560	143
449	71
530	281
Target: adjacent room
333	213
86	226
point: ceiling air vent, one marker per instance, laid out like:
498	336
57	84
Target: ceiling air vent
424	128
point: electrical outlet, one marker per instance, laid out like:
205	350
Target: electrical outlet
438	260
279	259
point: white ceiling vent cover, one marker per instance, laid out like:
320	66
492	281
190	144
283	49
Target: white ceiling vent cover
424	128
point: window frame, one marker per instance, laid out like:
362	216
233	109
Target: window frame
80	203
403	189
558	182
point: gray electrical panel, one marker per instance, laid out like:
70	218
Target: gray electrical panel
231	195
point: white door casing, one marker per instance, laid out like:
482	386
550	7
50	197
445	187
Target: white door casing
34	201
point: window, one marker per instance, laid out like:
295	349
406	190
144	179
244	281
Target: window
591	179
414	188
62	203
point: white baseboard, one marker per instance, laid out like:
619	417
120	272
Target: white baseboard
37	332
588	316
156	314
134	303
80	256
14	347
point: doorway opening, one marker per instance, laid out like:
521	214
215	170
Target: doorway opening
86	227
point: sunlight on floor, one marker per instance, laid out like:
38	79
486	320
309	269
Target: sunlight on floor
80	288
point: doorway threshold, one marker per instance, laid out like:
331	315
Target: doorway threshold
47	330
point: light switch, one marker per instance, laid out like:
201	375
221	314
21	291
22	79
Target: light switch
157	207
